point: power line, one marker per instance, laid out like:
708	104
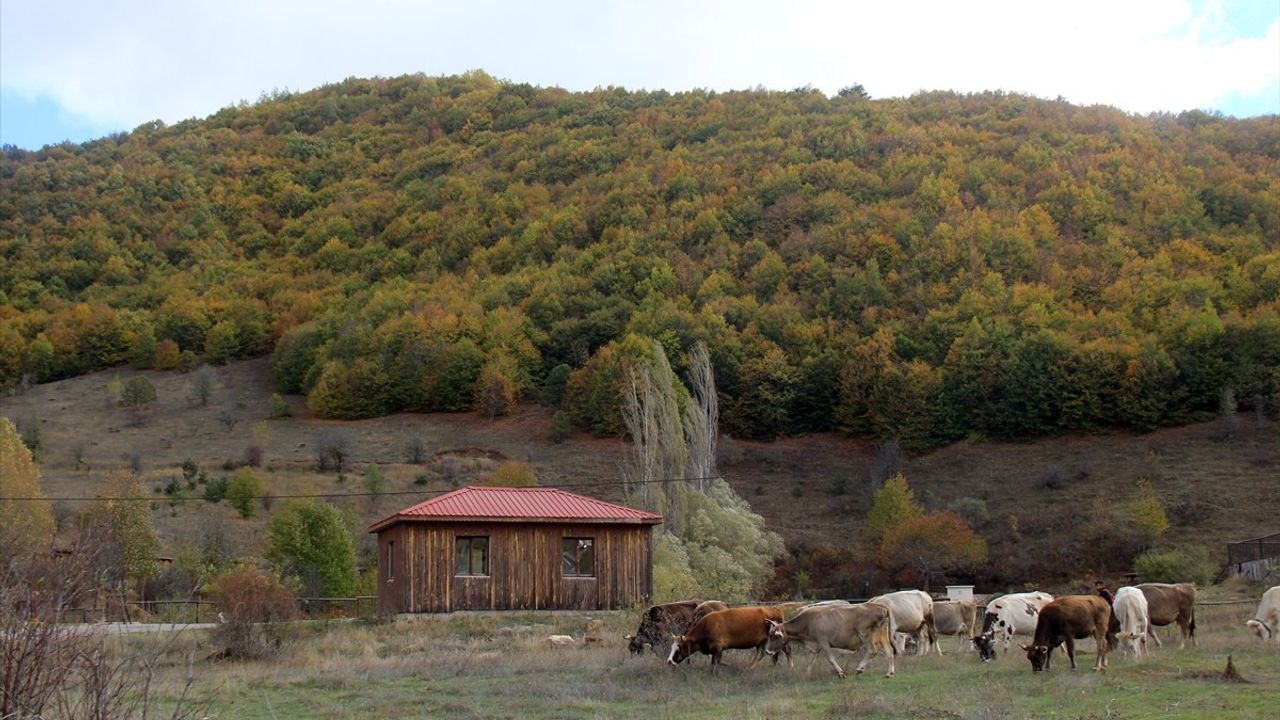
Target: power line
184	498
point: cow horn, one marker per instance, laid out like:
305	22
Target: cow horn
627	637
1024	647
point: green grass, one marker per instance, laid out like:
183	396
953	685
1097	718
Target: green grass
491	666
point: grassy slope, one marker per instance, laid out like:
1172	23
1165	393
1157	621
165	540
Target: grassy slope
1227	480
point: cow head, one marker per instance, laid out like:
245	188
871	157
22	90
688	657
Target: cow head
652	628
681	648
777	641
1038	655
1261	629
985	644
634	644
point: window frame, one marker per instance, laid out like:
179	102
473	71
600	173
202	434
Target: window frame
470	543
577	550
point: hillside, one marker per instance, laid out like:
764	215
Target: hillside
937	268
1217	480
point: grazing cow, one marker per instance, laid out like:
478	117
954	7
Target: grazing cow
955	617
1130	610
1167	604
911	613
658	622
1006	616
1065	620
843	626
1266	622
743	628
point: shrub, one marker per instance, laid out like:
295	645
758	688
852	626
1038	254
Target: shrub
279	408
512	474
374	481
245	487
256	607
893	505
561	426
972	509
1192	564
216	489
253	455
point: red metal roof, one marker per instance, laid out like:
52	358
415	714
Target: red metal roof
518	505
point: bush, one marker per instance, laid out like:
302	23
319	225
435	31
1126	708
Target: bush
256	607
1193	564
973	510
561	426
311	541
216	489
245	487
512	474
279	408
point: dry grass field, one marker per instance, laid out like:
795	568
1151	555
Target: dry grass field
497	665
1218	479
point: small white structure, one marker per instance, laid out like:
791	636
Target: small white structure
959	592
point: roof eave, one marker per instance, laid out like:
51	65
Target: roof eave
394	519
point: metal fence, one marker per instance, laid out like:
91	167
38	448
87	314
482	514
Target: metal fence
1255	549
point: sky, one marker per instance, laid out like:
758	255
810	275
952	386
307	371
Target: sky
81	69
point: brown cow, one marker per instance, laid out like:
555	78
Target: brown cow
733	629
1065	620
1168	604
659	621
845	626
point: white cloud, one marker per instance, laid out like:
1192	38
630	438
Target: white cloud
128	62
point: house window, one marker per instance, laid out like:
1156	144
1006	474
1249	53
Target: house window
472	556
391	560
578	557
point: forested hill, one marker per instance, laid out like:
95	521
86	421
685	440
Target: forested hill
925	269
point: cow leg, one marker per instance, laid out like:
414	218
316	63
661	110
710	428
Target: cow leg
758	656
1151	632
1070	645
825	648
717	657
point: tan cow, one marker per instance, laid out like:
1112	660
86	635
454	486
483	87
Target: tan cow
955	617
911	612
1167	604
844	627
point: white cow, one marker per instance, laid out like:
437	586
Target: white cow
1266	622
910	613
1130	610
1006	616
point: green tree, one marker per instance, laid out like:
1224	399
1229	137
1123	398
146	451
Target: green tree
310	541
138	392
892	505
25	524
244	491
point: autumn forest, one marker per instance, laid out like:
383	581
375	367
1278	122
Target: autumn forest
921	269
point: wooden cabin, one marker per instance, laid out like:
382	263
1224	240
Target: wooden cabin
495	548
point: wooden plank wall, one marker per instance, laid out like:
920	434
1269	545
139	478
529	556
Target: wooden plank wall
524	568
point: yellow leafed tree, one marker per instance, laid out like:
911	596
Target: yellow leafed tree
26	521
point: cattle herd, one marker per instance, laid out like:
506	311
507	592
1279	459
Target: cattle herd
891	624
